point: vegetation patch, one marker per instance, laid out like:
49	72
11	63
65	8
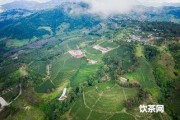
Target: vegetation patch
144	75
83	73
108	44
46	87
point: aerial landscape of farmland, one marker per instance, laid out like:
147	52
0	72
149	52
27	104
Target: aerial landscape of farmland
68	60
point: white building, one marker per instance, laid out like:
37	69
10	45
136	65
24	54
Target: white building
123	80
3	103
92	61
63	96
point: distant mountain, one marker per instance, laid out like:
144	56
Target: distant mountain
1	9
156	4
53	18
166	14
50	4
47	5
31	5
20	5
171	4
14	14
76	15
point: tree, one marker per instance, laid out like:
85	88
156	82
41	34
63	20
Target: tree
150	52
131	102
90	80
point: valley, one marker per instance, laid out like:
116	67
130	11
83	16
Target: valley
103	68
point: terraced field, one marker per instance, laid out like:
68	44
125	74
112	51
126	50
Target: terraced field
83	73
105	101
38	68
72	63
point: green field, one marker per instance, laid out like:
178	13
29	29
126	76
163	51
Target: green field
104	100
123	53
93	51
47	86
139	51
93	54
108	44
38	69
83	73
63	68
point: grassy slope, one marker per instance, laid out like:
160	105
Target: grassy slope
144	74
165	64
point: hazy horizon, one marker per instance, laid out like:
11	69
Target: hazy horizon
140	1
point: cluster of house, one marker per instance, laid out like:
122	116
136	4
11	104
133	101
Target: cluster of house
91	61
138	38
102	49
80	54
77	53
123	80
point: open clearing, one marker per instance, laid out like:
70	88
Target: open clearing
102	49
139	51
77	53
